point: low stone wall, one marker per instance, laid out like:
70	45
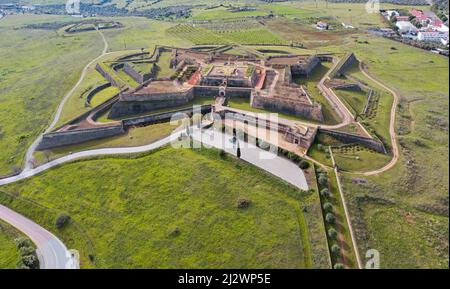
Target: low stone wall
290	133
287	76
135	104
305	68
131	104
352	138
344	64
310	111
95	90
162	117
106	75
216	80
64	138
213	91
133	73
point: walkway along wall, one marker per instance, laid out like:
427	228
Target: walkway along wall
309	111
64	138
343	64
70	137
132	104
163	117
353	138
106	75
95	90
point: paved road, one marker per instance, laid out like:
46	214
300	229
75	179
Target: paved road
270	162
51	252
83	154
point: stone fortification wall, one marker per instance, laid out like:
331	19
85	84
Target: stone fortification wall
64	138
348	60
161	101
162	117
213	91
310	111
94	91
130	104
106	75
290	133
70	137
128	69
287	76
352	138
216	80
307	67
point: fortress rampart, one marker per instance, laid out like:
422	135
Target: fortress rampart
95	90
305	68
301	109
106	75
163	117
132	103
352	138
64	138
76	136
139	78
348	60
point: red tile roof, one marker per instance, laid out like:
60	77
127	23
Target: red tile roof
417	13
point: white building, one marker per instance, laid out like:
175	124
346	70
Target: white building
406	27
392	13
432	36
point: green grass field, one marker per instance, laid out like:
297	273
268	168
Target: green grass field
134	137
202	36
174	209
354	100
38	68
355	158
9	253
422	125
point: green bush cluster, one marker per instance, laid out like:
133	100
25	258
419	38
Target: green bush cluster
28	257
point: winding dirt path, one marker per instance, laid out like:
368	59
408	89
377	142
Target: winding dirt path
52	253
29	155
392	132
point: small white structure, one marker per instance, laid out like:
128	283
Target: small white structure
432	36
392	13
322	25
406	27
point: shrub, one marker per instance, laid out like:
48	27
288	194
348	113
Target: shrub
327	206
335	249
62	220
25	251
222	154
30	261
23	242
338	266
325	193
303	164
175	232
330	218
243	203
323	180
332	233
